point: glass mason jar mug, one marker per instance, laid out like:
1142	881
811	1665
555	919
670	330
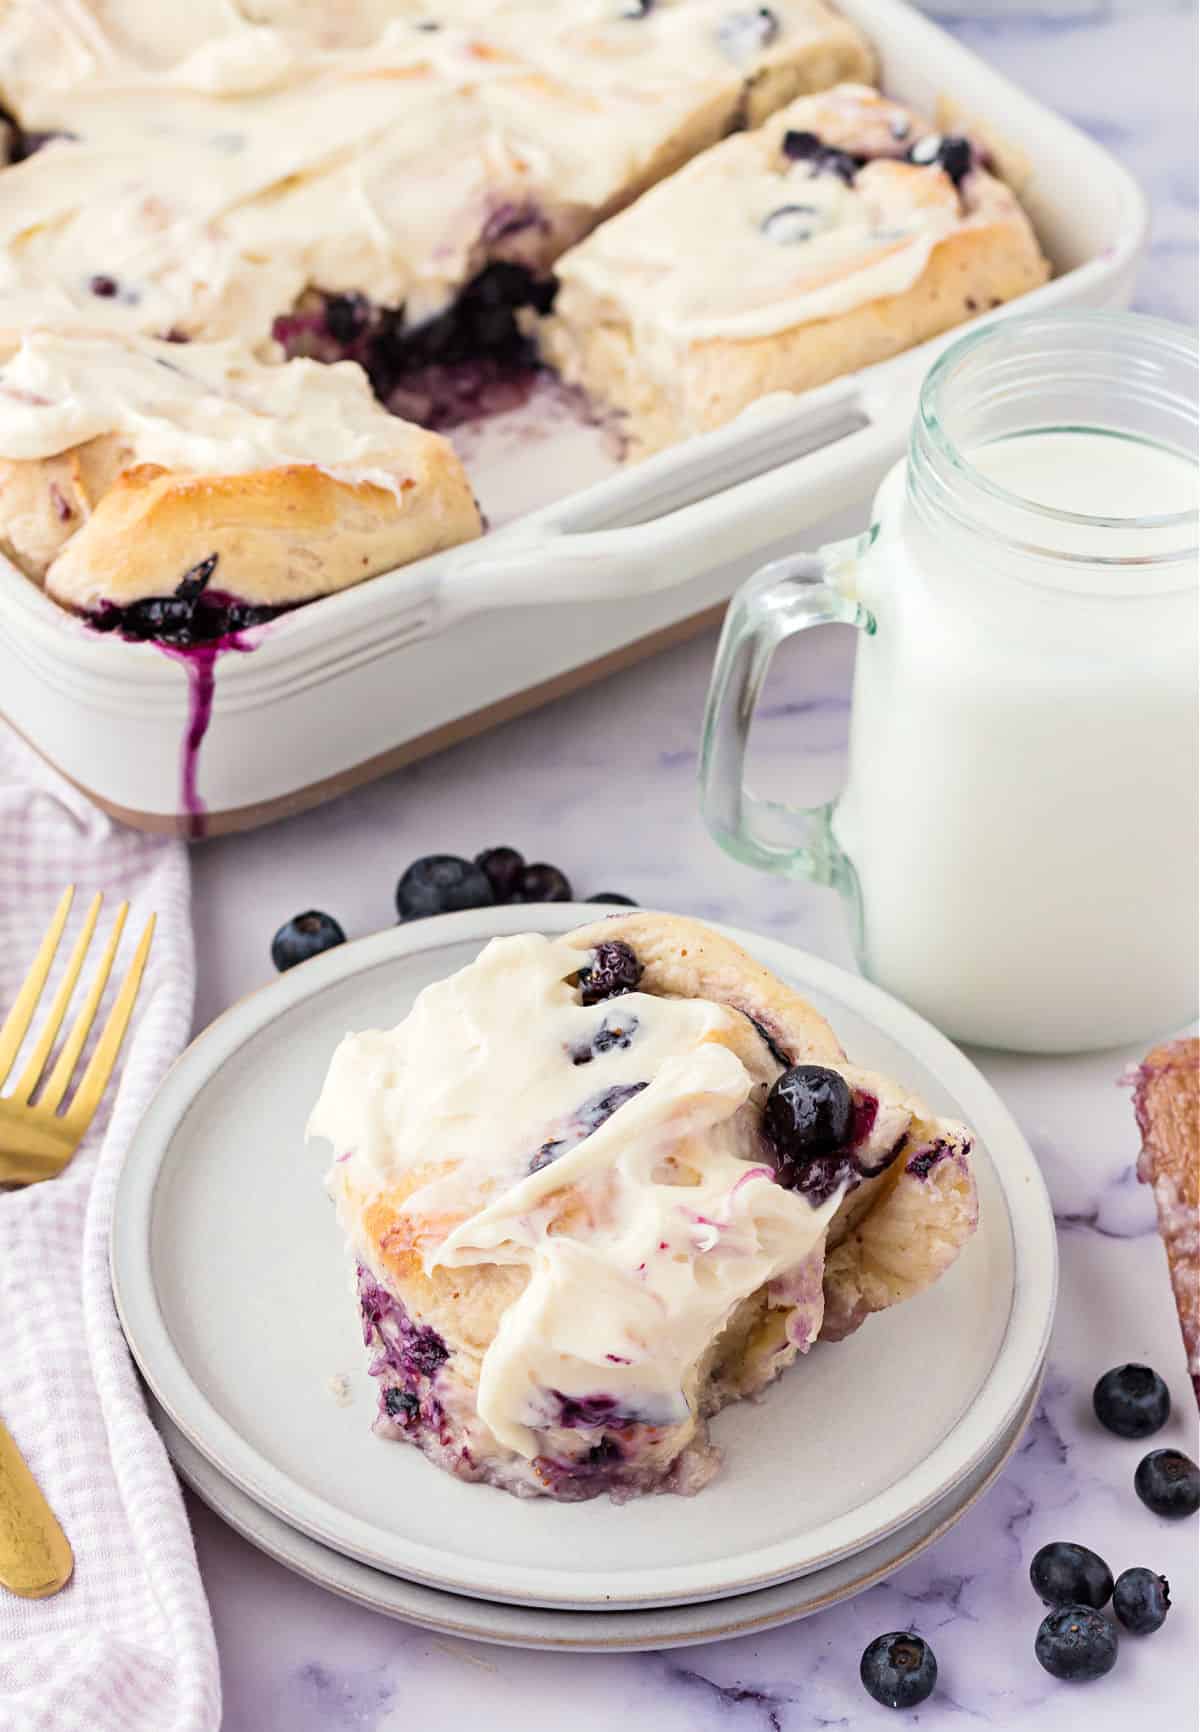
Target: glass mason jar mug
1016	840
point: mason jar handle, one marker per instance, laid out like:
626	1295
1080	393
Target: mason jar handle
785	597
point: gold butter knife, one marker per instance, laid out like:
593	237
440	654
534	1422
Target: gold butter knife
35	1555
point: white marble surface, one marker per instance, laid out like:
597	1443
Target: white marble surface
603	784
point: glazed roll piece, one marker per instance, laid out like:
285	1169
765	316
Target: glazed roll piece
381	184
596	1187
182	492
839	234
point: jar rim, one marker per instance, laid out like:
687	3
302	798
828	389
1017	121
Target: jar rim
1170	340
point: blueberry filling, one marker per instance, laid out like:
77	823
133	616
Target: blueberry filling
635	8
587	1412
925	1160
807	147
615	1036
613	971
411	1350
103	286
193	615
588	1118
768	1040
471	359
401	1405
950	152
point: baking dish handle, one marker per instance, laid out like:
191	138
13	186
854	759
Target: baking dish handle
552	563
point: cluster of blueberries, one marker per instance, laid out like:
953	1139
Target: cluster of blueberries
441	884
1075	1641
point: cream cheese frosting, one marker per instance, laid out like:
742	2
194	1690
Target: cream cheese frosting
624	1174
212	168
794	242
200	408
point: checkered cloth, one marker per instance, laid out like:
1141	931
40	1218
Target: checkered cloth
128	1645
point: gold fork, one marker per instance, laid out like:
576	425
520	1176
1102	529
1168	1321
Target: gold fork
36	1140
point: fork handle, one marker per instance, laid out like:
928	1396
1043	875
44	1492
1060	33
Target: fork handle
35	1555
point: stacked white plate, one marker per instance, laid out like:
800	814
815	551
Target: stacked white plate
233	1287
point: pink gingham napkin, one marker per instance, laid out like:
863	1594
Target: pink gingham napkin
128	1645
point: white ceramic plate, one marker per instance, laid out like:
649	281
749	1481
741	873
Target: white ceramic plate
581	1632
233	1288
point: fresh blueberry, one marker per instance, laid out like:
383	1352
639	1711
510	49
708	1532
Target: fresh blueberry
790	224
1069	1575
401	1404
503	868
542	883
613	970
346	317
1132	1400
1076	1644
952	154
307	935
898	1670
801	146
1168	1482
441	884
1141	1601
809	1111
615	897
742	35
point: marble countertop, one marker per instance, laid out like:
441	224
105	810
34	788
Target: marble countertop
603	784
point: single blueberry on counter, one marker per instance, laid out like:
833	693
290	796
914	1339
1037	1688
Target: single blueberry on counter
613	970
502	867
1132	1401
1141	1600
1064	1574
543	883
441	884
304	936
1168	1483
898	1670
614	897
1076	1644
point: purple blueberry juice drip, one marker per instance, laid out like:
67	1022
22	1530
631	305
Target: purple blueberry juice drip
472	359
194	625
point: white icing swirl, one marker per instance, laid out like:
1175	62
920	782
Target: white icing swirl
640	1236
202	408
216	167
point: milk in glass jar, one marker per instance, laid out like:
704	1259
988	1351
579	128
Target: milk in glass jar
1017	837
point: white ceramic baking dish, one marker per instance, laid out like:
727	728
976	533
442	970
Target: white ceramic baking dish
589	580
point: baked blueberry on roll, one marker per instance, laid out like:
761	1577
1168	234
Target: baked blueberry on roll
596	1187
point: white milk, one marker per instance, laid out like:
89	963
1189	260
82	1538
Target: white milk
1021	807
